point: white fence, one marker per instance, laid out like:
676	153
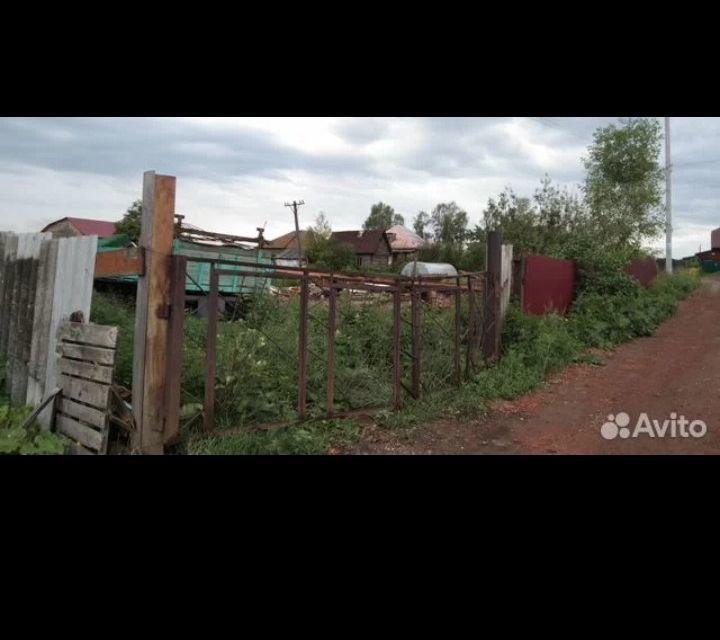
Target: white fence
42	282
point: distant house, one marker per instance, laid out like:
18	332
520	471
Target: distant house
74	227
284	250
404	244
370	247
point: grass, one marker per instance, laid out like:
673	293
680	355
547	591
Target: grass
256	374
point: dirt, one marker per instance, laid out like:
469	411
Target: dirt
672	374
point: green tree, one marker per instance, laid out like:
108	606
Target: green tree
623	184
382	216
323	251
420	223
322	226
130	224
449	223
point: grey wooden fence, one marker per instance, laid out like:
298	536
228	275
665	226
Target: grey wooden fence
42	282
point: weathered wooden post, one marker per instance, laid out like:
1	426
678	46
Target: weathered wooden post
152	313
492	302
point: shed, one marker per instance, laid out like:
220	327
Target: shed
429	269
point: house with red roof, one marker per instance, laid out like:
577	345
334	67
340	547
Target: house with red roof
74	227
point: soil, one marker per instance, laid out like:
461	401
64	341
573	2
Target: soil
676	371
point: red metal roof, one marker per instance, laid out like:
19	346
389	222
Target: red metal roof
86	227
100	228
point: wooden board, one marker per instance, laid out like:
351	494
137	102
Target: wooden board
78	432
123	262
89	334
92	393
83	413
88	370
98	355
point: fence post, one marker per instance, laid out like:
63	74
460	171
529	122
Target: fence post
491	307
151	314
332	309
211	369
397	373
416	318
458	309
176	334
302	348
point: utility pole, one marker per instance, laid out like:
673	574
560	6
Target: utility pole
668	201
294	207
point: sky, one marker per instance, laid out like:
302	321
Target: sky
235	174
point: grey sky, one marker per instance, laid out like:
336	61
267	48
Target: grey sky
234	174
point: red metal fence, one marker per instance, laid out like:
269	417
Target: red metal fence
644	269
548	285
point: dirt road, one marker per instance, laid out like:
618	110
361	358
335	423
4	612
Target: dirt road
673	374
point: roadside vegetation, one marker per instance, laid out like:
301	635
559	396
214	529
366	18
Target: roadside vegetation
602	228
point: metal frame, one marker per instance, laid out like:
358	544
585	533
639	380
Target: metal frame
394	285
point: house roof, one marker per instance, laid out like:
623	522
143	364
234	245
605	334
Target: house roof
285	241
362	242
402	239
100	228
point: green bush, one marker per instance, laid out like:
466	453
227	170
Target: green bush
29	441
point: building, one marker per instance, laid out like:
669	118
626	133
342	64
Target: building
370	247
74	227
405	244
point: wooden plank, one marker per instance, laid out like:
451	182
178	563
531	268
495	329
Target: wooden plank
123	262
151	317
72	291
81	412
92	393
81	433
95	372
44	293
90	334
98	355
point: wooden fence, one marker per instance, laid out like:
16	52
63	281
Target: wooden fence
42	282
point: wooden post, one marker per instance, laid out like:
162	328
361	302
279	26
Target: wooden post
211	370
458	313
176	333
491	307
152	313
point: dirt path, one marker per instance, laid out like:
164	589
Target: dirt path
677	371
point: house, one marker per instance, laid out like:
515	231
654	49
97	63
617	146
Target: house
370	247
74	227
404	244
284	250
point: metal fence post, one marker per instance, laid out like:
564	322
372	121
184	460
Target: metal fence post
332	308
302	347
416	340
211	369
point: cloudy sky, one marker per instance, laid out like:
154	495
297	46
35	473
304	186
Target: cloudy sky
235	174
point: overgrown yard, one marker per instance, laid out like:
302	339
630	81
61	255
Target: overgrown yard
257	371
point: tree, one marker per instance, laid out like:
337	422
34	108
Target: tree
382	216
325	252
623	185
322	226
449	223
420	223
130	224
